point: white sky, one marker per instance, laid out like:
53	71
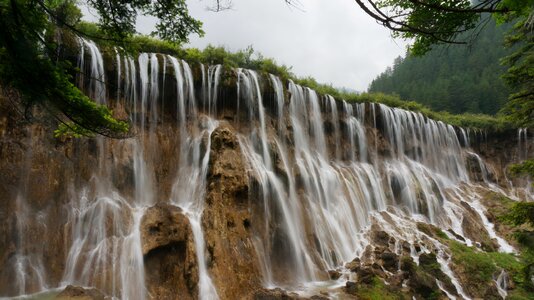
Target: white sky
333	41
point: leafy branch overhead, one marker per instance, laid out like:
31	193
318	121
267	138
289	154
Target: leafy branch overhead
431	22
29	49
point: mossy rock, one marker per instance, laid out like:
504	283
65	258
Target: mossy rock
376	289
432	231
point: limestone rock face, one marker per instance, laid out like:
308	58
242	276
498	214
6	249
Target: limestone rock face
472	226
169	253
162	225
227	221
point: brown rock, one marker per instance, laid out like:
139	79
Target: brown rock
390	261
228	221
169	250
365	275
163	224
351	287
354	265
79	293
475	230
334	274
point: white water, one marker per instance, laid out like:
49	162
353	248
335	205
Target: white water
26	265
321	189
501	282
189	188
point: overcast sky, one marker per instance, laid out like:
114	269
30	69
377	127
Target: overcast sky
332	40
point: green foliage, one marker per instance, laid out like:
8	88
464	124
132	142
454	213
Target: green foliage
430	22
377	290
456	79
27	54
246	58
466	120
480	266
521	213
520	74
477	265
524	168
117	18
72	130
29	49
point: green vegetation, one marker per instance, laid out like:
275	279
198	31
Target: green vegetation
480	266
30	49
377	290
26	54
248	58
454	79
432	230
429	23
521	216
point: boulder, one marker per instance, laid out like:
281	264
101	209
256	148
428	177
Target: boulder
354	265
390	261
169	253
334	274
163	224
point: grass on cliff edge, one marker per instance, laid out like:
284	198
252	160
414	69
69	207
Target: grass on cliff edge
249	59
479	267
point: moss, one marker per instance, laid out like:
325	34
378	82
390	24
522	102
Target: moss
520	294
378	290
432	231
477	266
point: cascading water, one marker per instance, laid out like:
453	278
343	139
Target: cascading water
190	185
103	253
27	263
323	198
321	173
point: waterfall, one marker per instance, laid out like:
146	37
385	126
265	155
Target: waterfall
189	188
29	274
322	175
501	282
103	254
97	86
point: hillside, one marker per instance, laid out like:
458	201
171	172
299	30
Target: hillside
455	79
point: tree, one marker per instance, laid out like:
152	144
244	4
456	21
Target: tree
476	68
431	22
28	50
434	22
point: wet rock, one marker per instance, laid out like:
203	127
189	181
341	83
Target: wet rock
380	237
162	225
334	274
273	294
351	287
169	253
365	275
79	293
354	265
431	230
474	229
390	261
228	220
408	265
423	284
